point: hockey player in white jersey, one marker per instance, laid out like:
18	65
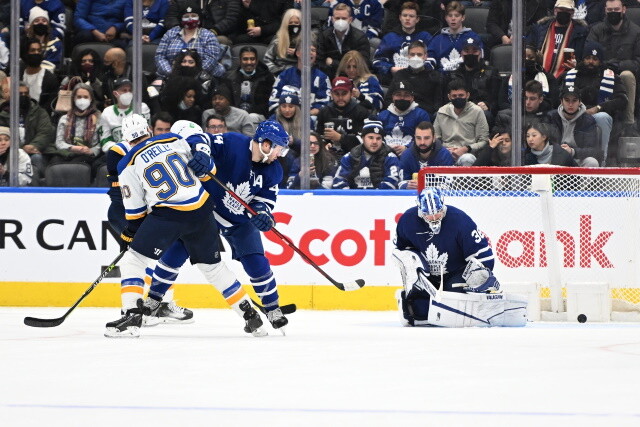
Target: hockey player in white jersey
446	264
164	203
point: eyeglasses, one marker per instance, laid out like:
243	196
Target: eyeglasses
314	142
216	127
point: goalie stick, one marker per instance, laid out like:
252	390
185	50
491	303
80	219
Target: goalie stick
347	286
50	323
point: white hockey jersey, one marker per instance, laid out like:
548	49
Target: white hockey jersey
154	175
109	129
25	170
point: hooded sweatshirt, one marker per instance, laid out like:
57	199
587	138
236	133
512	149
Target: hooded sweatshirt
470	128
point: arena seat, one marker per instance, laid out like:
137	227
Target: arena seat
633	13
101	177
101	48
476	19
148	57
319	17
68	175
500	58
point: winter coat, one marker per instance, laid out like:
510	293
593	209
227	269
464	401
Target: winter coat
355	39
500	13
348	121
220	16
38	129
428	87
483	83
621	48
537	33
584	133
589	87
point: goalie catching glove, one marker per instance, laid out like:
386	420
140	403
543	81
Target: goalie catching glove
479	278
262	220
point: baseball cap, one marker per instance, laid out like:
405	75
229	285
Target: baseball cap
472	42
122	81
341	83
566	4
570	90
402	86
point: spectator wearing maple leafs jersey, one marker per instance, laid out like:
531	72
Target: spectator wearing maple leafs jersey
446	47
401	118
392	53
461	125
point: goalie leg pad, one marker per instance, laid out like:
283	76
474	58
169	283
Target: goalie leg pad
412	269
456	310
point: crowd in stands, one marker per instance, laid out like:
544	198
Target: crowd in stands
396	85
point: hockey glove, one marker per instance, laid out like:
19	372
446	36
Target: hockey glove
202	163
262	220
127	235
479	278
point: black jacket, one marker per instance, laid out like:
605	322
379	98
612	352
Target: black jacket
589	86
500	13
221	16
483	83
428	88
621	48
328	48
347	121
559	157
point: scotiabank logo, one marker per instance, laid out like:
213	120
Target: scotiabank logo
379	235
514	248
523	243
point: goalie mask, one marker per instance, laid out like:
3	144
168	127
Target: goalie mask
431	207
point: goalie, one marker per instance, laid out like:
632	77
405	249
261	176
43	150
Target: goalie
446	266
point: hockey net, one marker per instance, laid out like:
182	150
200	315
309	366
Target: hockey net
594	215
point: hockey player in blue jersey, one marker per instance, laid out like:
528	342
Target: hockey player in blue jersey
446	266
165	205
248	167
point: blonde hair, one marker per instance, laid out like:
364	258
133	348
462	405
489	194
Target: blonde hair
293	126
282	35
361	66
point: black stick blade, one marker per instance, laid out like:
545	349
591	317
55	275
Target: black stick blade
42	323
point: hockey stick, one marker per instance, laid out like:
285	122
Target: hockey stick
347	286
50	323
286	309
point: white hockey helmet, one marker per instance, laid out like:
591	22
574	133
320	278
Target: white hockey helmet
430	204
186	128
134	127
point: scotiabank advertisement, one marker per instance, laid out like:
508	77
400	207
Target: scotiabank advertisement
63	237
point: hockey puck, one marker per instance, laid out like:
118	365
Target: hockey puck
582	318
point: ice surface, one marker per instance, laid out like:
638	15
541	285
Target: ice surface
333	368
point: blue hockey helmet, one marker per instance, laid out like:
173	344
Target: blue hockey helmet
272	131
430	205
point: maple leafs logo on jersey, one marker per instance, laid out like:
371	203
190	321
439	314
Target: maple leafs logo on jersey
397	138
243	190
452	62
581	12
401	59
437	262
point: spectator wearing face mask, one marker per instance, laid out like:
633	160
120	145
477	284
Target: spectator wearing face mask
401	117
427	83
39	28
392	53
110	126
281	53
77	134
87	65
461	125
35	132
55	15
620	40
367	16
221	17
482	80
190	35
180	100
251	84
42	83
115	67
553	34
340	38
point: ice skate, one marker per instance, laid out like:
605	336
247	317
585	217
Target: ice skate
277	319
253	321
149	313
170	312
128	326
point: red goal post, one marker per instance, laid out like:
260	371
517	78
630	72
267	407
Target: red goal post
594	214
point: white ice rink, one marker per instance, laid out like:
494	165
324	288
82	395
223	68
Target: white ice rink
333	368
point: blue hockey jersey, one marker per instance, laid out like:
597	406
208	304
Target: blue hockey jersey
290	80
251	181
393	50
459	240
446	48
410	162
400	127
